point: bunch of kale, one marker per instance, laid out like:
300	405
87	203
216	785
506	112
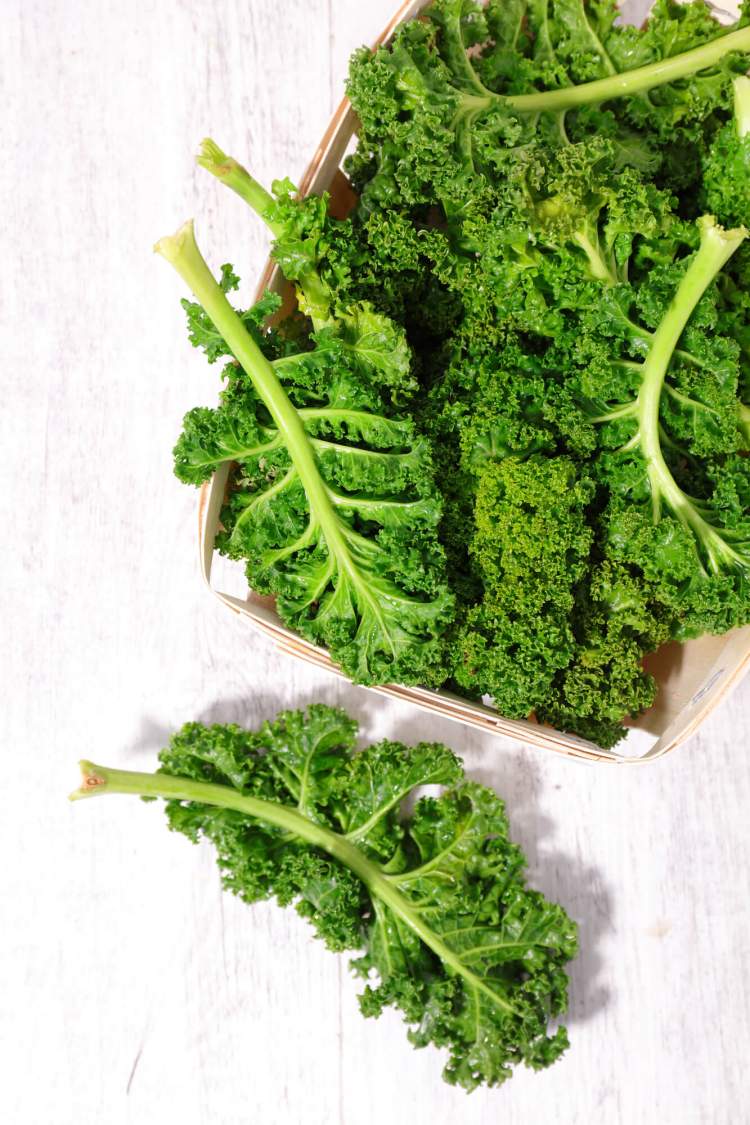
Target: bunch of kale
557	253
520	382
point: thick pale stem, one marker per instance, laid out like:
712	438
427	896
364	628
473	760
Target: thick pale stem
741	87
635	81
181	251
98	780
600	271
231	173
716	247
744	421
315	295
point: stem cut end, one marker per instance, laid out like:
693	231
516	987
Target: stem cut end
215	160
714	234
181	251
173	246
234	176
93	779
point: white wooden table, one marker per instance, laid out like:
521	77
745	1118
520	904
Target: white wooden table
132	990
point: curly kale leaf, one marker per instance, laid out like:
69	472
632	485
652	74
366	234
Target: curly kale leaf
334	504
434	899
617	619
726	171
304	233
202	332
462	91
531	545
565	222
699	407
640	353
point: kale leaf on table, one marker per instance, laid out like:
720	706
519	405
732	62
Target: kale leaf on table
434	901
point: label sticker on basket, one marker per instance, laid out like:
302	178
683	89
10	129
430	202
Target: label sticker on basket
707	686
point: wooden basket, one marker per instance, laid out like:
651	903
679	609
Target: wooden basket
693	678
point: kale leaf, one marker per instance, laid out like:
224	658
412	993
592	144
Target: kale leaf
333	503
532	546
435	900
726	171
547	160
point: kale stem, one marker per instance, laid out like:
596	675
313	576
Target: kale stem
635	81
600	271
716	247
744	422
231	173
317	297
741	87
97	780
181	251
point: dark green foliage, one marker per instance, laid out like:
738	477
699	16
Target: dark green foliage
501	304
617	618
531	546
383	621
434	900
333	502
565	236
435	120
726	172
727	177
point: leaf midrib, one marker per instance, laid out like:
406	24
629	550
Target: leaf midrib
100	779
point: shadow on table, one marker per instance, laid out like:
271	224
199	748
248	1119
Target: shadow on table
249	711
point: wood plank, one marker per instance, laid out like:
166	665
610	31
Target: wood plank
134	992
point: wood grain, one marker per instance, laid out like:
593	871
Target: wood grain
133	991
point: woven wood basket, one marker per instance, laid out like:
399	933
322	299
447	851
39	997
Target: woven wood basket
693	678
